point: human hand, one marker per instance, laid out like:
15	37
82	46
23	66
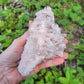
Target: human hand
10	58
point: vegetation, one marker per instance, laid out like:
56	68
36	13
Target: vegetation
69	14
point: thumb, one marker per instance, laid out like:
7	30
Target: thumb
22	39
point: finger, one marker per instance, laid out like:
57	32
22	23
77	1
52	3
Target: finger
26	34
65	40
22	38
65	55
30	22
52	62
49	63
56	61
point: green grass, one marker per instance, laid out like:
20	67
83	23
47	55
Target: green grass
68	13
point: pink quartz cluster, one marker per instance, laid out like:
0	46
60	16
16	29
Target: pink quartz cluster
44	42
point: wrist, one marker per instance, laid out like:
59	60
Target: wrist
5	78
9	79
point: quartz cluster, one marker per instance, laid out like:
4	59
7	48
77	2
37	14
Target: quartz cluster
45	42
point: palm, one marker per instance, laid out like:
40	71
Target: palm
11	62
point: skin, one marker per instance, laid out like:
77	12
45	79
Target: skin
10	58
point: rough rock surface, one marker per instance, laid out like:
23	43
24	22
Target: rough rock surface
44	42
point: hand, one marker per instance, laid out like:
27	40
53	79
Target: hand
11	56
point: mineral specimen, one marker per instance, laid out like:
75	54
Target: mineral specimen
45	42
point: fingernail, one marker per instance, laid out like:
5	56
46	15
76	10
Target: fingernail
65	40
65	55
30	22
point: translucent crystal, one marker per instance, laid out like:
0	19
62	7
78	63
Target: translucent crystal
45	42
